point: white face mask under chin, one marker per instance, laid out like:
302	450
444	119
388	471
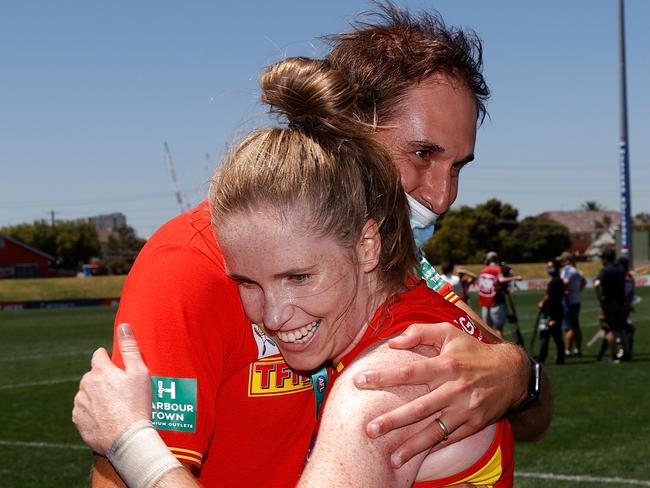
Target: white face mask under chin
423	221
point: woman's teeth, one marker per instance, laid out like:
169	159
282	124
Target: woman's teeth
299	335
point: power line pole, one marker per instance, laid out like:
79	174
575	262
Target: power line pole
52	212
172	169
626	212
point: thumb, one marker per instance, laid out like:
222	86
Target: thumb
129	348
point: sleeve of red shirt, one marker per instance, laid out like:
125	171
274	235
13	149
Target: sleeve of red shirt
184	313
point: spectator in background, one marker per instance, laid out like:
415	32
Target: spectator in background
551	306
447	268
610	289
574	282
630	289
467	279
459	281
491	292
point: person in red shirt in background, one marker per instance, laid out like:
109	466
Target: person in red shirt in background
492	293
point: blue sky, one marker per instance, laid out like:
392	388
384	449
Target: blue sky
91	90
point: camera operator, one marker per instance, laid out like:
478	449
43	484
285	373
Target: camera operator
492	289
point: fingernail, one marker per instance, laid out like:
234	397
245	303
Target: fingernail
360	380
396	460
375	429
125	330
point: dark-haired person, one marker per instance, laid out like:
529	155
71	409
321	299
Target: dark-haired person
551	305
321	200
610	289
630	288
191	326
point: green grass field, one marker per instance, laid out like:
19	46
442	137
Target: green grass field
600	430
60	288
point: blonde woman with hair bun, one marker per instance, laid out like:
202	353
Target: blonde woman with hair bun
314	228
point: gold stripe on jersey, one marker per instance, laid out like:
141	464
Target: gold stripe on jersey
488	474
451	297
194	457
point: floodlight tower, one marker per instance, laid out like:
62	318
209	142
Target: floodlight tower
170	165
624	163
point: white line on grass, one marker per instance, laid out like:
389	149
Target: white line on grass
43	444
41	383
581	478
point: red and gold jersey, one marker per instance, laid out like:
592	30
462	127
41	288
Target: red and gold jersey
422	305
224	400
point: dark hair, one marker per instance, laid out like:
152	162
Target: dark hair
326	161
608	255
386	58
447	267
556	264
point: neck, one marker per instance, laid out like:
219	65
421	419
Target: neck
376	300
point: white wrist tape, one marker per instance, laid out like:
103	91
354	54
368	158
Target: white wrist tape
140	456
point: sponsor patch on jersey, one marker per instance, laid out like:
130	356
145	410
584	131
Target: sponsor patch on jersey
265	345
173	403
272	376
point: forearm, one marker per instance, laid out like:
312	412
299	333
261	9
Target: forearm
105	476
532	423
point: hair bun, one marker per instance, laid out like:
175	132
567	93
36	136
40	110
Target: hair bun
312	95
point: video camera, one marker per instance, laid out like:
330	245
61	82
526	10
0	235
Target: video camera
506	271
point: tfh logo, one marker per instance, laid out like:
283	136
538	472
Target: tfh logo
171	390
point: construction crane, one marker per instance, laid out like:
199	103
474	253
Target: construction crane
170	166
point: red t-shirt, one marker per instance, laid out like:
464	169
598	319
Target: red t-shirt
489	291
422	305
223	397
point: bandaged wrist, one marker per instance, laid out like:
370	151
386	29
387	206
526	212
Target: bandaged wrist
140	456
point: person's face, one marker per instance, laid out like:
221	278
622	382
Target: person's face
431	138
309	293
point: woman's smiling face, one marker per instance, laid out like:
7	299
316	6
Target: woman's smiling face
311	294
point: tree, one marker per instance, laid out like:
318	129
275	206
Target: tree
465	235
72	243
592	206
642	221
121	250
540	239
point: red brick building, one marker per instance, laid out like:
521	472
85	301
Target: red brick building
585	226
18	260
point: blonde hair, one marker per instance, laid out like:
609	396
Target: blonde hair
325	160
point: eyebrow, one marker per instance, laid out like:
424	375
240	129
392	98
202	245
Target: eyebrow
283	274
438	149
429	146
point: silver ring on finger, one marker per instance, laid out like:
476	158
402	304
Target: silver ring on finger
444	429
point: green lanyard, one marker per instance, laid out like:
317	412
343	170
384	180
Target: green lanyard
319	381
429	274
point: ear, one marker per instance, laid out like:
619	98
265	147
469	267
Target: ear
369	246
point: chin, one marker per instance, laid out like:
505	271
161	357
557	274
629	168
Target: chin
302	362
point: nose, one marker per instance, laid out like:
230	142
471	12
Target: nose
438	189
277	310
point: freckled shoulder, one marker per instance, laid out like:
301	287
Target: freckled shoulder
343	450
